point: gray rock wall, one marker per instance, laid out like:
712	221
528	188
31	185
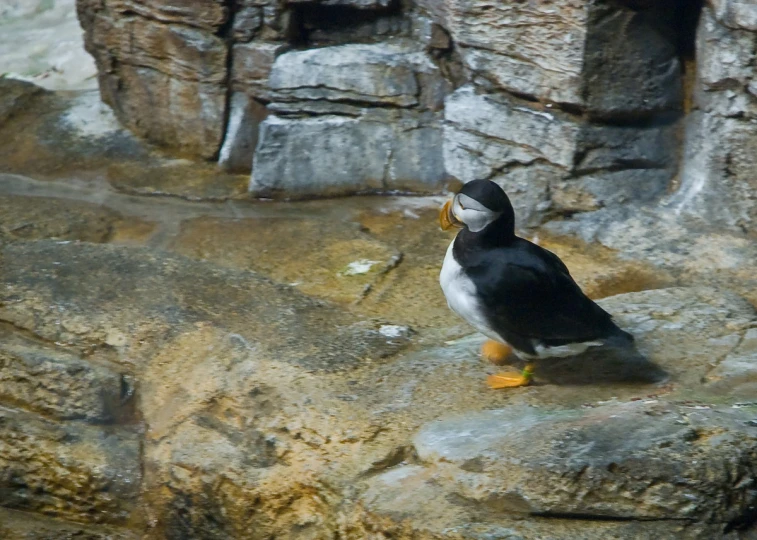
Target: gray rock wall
571	106
718	176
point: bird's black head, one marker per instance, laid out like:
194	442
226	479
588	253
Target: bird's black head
477	205
488	194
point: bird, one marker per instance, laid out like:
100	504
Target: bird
518	294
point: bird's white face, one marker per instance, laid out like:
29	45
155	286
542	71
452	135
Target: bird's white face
463	210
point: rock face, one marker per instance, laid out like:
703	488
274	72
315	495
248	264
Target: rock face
572	107
718	179
164	60
327	137
636	460
304	422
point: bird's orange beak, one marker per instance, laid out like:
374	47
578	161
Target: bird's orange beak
447	218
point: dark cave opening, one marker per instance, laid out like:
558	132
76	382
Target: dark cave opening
315	24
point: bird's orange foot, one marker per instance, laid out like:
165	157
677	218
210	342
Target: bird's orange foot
510	379
495	352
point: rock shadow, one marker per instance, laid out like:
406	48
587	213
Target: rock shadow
601	367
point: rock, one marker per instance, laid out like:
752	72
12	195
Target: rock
489	137
26	526
736	374
287	158
599	190
337	262
483	134
500	132
724	56
248	19
718	171
581	48
389	150
717	178
295	157
631	67
181	178
552	454
671	241
205	14
601	272
401	501
530	191
736	14
65	134
82	473
241	137
57	383
40	217
683	330
599	462
166	82
266	410
613	148
315	108
497	44
187	115
17	96
358	4
162	295
332	24
381	74
88	118
251	67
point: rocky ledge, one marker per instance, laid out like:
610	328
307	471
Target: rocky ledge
196	398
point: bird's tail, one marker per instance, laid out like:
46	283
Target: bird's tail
619	339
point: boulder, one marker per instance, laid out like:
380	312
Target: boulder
717	178
57	383
633	460
296	157
534	50
484	133
158	292
569	53
389	74
17	96
40	217
251	67
549	160
350	102
77	472
736	14
148	61
25	526
317	418
241	138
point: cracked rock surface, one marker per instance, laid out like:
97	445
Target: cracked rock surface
179	360
170	368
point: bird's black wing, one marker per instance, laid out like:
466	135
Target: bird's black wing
531	295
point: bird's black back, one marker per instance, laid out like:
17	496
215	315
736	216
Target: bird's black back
528	293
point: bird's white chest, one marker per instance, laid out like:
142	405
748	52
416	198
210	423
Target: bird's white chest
460	292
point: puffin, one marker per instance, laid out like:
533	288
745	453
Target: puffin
518	294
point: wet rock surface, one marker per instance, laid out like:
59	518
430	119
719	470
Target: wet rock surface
81	473
204	380
26	526
207	365
343	97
